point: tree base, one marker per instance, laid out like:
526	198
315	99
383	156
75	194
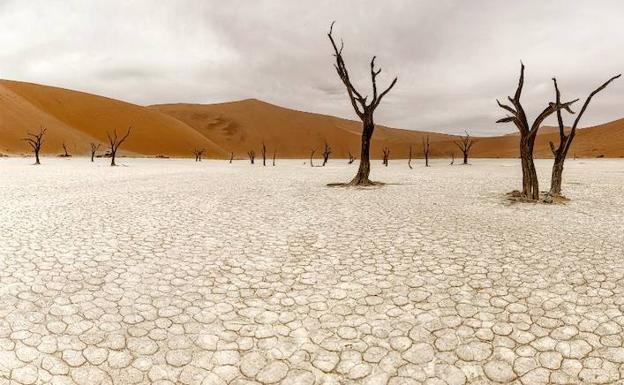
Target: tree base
367	183
545	197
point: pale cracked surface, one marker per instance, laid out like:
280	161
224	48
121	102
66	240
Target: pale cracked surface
168	271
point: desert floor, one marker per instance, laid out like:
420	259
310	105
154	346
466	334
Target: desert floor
171	271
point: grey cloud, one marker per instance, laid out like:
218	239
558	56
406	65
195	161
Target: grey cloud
453	58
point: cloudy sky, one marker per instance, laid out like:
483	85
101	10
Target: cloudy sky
453	58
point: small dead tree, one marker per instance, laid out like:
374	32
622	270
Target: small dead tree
115	142
65	153
263	154
94	148
231	157
198	152
452	158
351	158
409	161
528	133
312	158
386	155
35	141
252	156
565	141
363	109
274	153
426	147
326	153
465	144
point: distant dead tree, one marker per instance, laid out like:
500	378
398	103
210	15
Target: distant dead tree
94	148
252	156
452	154
409	161
363	109
65	153
465	144
426	147
274	153
36	141
312	158
351	158
231	157
565	141
198	152
263	154
528	133
326	153
386	155
115	142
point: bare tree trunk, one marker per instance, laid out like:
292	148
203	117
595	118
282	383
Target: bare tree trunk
452	158
312	158
530	183
557	176
274	153
409	162
37	157
361	178
113	153
351	158
231	157
465	157
263	154
386	155
92	156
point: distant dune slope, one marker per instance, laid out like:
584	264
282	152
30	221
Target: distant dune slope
78	118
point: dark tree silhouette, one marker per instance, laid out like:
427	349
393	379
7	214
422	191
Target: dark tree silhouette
94	148
363	109
274	153
351	158
65	153
386	155
409	161
426	147
263	154
452	158
465	144
252	156
231	157
115	142
528	133
326	153
35	141
312	158
198	152
565	140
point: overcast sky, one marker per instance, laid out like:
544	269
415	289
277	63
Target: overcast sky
453	58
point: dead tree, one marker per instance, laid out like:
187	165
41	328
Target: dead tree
274	153
36	141
115	142
312	158
252	156
198	152
426	147
386	155
263	154
326	153
351	158
465	144
363	109
409	161
231	157
453	158
528	133
65	153
565	141
94	148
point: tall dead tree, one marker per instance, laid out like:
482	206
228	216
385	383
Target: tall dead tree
252	156
351	158
363	109
465	144
231	157
35	141
386	155
263	154
115	142
565	140
198	152
426	147
528	133
326	153
409	161
94	148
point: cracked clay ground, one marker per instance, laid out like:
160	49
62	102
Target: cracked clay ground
172	272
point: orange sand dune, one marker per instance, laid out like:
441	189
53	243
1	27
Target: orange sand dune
78	118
